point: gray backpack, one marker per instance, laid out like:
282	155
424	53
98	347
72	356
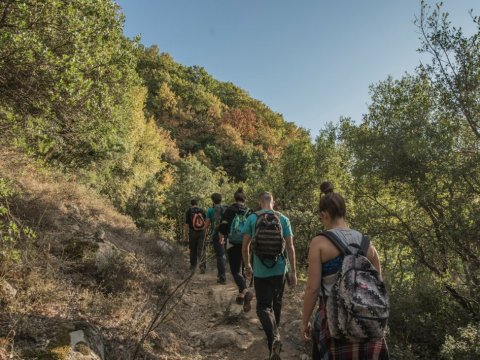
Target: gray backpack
358	305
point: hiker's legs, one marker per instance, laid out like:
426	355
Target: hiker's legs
220	254
200	248
278	283
236	262
192	245
265	293
315	352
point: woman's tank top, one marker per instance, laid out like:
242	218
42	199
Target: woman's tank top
333	266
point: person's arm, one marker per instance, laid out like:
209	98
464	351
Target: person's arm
247	239
292	261
313	284
374	258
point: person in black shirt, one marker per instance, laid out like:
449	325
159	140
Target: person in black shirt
195	227
234	216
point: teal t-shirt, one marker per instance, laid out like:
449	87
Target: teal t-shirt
259	269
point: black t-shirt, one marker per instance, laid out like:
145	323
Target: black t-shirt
188	215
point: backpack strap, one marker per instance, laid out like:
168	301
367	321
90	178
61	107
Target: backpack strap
340	245
365	245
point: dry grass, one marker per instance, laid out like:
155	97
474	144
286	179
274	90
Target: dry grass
57	279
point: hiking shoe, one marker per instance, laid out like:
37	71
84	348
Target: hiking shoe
240	299
247	300
276	349
202	270
222	281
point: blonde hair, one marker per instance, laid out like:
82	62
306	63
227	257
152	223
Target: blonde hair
266	196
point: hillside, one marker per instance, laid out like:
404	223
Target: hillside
104	142
88	270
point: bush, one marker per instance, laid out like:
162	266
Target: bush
465	346
12	232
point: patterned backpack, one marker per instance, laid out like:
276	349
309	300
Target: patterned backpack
358	306
268	242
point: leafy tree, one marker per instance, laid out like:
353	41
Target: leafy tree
64	68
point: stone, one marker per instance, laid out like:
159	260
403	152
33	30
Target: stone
194	334
105	253
242	331
220	339
304	357
7	291
75	341
99	235
75	227
165	247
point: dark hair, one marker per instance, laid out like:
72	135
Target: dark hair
194	202
332	202
216	198
239	195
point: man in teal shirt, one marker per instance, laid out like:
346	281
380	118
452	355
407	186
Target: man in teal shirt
214	216
270	275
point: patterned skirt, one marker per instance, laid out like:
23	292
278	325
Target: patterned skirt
328	348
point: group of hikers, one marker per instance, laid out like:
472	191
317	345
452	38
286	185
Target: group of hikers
344	275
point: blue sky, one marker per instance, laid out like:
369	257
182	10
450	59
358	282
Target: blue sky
310	60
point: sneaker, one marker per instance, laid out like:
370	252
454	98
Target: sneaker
276	349
222	281
247	300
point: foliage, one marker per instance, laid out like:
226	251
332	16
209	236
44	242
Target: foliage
12	231
465	346
64	68
212	119
194	180
71	94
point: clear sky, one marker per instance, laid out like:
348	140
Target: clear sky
311	60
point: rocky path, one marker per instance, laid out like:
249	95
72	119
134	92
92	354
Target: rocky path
219	329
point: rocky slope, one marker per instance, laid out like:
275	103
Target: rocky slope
90	285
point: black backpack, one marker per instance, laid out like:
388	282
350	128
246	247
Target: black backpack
268	242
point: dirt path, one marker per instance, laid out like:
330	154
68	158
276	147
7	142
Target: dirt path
219	329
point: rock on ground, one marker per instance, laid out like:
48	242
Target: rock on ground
7	291
165	247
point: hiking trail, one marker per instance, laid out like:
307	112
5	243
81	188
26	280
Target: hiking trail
219	329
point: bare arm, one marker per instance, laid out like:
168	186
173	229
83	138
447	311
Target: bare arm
292	260
374	258
246	254
313	284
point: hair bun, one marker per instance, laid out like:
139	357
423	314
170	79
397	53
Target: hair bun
326	187
240	190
